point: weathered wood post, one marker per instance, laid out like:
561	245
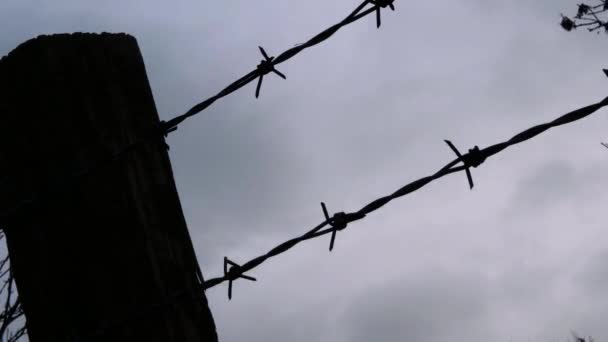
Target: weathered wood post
104	254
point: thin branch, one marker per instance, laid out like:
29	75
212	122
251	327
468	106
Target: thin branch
587	15
12	327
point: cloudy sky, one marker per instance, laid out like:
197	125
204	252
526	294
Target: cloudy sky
522	257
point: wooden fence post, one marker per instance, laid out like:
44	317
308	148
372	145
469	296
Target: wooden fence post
98	243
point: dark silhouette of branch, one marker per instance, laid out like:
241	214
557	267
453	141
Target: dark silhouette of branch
593	17
11	327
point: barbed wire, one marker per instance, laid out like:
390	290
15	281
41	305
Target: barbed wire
339	221
165	127
161	130
267	65
587	16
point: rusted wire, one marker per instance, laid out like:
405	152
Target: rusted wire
474	158
267	65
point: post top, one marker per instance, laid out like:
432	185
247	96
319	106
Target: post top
58	37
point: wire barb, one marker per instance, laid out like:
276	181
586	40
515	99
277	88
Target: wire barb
590	16
339	222
474	158
265	67
232	273
382	4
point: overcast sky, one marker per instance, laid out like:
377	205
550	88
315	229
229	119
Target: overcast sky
522	257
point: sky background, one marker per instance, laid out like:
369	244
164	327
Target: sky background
522	257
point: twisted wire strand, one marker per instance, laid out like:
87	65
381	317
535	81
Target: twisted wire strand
467	160
171	125
165	128
479	154
339	221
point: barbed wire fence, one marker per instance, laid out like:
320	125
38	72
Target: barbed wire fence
13	312
340	221
331	224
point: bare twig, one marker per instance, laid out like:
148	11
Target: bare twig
12	328
591	16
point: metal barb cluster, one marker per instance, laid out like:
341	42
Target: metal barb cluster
232	273
265	67
474	158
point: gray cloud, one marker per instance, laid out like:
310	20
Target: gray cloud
420	308
556	183
593	276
